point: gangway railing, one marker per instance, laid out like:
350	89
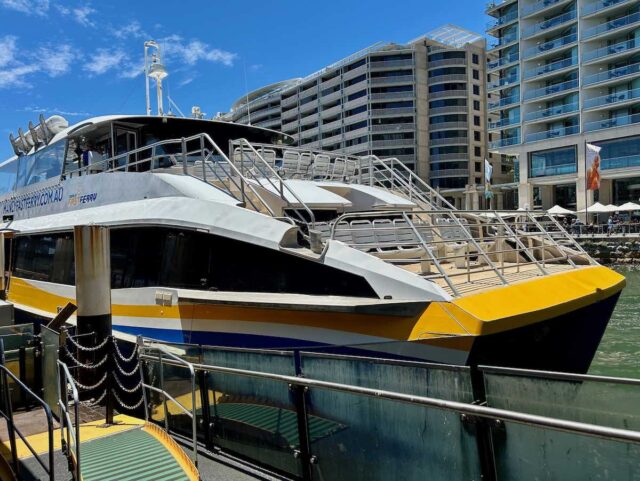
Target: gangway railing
162	351
468	249
7	414
69	428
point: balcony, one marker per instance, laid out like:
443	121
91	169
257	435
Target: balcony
391	79
551	47
448	125
289	101
448	94
504	82
326	84
612	123
333	96
436	174
545	114
553	133
500	143
404	126
396	111
384	64
597	7
551	170
495	4
502	123
513	99
504	41
447	62
547	25
630	46
453	109
332	125
620	73
551	90
448	157
393	143
614	26
331	111
621	162
615	99
503	20
449	141
503	61
550	68
407	94
438	79
540	6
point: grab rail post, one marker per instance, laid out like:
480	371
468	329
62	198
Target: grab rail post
183	143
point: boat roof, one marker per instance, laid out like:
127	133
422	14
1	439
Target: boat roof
366	196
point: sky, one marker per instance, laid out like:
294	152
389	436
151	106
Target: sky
80	59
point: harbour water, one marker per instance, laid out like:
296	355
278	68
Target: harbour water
619	352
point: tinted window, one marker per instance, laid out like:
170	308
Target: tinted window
8	174
147	257
46	258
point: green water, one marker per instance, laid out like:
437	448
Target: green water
619	352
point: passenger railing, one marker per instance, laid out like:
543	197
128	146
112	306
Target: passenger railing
69	428
468	249
12	429
161	351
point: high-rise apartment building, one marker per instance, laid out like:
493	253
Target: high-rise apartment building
423	102
564	73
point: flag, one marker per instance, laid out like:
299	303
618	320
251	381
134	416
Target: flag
593	167
488	171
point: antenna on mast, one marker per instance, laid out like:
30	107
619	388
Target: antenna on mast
153	68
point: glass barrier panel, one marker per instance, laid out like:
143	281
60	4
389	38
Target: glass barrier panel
362	438
604	403
252	417
16	336
452	383
50	346
528	452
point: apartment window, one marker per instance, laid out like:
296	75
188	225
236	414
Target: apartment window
476	90
478	181
478	166
477	152
476	120
476	136
476	105
476	75
475	59
553	162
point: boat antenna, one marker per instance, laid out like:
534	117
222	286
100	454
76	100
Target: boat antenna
153	68
246	89
175	105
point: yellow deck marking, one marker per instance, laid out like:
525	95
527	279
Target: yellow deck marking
93	430
174	448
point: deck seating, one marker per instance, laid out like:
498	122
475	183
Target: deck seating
244	159
350	168
290	161
339	168
269	156
343	233
321	166
363	236
306	160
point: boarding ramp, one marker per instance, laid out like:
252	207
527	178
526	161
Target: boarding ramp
312	414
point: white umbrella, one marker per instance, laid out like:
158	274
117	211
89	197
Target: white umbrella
557	210
596	208
612	208
629	206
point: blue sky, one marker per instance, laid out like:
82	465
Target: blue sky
79	59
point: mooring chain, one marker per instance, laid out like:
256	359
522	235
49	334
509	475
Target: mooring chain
131	407
119	353
127	390
86	348
123	372
85	366
93	386
96	401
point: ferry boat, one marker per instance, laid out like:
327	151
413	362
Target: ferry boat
227	234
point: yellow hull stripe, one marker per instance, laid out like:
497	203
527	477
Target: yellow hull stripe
487	312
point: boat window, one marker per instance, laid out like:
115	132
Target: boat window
8	174
146	257
47	258
41	165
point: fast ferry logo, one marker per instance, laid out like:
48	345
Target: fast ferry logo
77	199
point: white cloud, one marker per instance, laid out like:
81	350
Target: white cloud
30	7
55	61
79	14
55	110
104	60
132	29
16	76
195	50
7	50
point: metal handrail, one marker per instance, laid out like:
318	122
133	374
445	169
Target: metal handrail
66	424
453	406
163	351
13	430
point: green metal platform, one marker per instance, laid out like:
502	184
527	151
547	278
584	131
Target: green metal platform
133	455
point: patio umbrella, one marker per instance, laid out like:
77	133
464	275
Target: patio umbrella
629	206
612	208
557	210
596	208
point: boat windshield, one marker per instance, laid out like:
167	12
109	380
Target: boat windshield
32	168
